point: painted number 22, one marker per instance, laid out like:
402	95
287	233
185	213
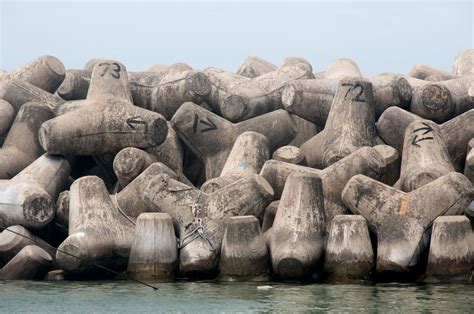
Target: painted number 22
112	68
357	88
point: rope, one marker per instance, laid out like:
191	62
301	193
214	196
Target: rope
197	232
86	261
121	211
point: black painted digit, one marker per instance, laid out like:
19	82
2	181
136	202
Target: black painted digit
115	71
105	66
358	96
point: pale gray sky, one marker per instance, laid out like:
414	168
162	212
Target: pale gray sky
379	36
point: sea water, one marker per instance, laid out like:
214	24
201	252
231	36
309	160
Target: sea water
205	297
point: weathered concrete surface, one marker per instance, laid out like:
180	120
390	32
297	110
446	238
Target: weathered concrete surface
464	63
441	101
75	85
130	161
254	66
290	154
128	200
342	67
200	217
12	243
392	160
28	198
456	132
305	130
469	165
108	123
45	72
7	115
296	239
249	153
211	137
400	219
21	146
32	262
349	253
350	125
244	255
269	216
164	93
423	72
162	68
221	82
18	93
154	252
312	99
262	94
425	156
98	232
62	208
367	160
450	256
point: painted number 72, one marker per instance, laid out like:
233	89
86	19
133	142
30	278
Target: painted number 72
358	90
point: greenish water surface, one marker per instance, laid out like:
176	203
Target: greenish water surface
205	297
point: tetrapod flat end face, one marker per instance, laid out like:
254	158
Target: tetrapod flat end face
349	253
450	256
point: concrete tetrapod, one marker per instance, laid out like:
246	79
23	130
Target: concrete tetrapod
108	122
350	125
28	198
305	130
469	165
342	67
249	153
7	115
75	85
18	93
211	137
367	160
290	154
464	63
450	257
200	217
349	253
269	215
425	156
154	252
296	240
221	82
254	66
423	72
244	255
164	93
131	161
441	101
400	219
159	92
163	68
21	146
32	262
456	132
262	94
128	200
98	232
312	99
45	72
11	243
